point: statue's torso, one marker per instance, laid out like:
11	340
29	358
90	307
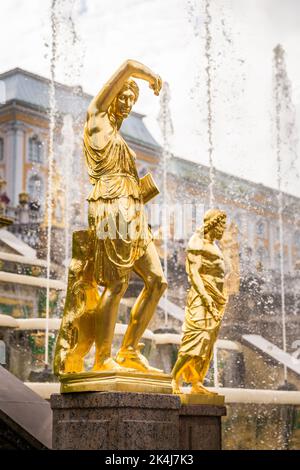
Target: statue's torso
211	260
110	161
212	264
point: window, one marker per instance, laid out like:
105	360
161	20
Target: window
260	228
262	255
35	188
262	258
1	149
36	150
296	250
58	211
238	221
297	240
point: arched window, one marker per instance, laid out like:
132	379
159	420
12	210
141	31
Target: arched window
1	149
260	228
296	243
238	220
58	211
262	255
36	150
35	188
297	240
262	258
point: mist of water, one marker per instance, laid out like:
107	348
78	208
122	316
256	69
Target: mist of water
67	151
208	70
49	202
166	126
280	95
66	60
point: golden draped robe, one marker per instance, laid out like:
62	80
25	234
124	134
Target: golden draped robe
200	329
116	208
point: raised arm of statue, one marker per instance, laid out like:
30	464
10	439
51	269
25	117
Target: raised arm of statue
130	68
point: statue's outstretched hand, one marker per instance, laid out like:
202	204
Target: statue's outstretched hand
155	84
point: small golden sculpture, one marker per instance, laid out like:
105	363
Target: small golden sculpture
206	302
77	331
118	241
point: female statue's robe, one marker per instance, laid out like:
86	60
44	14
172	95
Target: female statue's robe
116	208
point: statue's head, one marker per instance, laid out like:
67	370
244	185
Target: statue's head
125	100
215	223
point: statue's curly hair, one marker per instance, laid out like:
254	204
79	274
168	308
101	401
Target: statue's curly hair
212	218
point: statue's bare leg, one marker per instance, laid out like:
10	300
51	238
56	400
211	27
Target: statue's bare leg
197	387
105	321
148	267
178	369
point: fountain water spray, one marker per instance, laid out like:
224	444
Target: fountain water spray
208	70
166	127
66	54
280	89
49	205
70	63
213	29
199	12
67	151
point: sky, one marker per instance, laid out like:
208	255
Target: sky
169	37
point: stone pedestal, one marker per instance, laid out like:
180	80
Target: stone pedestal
115	420
133	421
200	427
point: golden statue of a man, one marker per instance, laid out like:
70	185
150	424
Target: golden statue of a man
206	302
119	238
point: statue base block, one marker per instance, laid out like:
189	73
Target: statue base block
200	426
201	399
116	382
115	420
133	421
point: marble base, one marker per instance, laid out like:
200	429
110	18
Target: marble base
115	421
135	421
200	426
116	382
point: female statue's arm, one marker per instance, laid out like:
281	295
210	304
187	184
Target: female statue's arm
130	68
193	266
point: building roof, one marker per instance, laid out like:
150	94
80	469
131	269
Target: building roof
26	87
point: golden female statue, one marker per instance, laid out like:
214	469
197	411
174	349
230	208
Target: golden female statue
119	238
206	303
